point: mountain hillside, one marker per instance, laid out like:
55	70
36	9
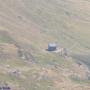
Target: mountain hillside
26	29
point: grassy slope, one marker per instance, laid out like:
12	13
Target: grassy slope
34	23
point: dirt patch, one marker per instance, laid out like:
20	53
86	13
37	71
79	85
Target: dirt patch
9	48
8	51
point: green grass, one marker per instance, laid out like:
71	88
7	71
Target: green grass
13	63
5	39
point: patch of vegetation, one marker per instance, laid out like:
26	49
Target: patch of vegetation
79	80
5	37
35	84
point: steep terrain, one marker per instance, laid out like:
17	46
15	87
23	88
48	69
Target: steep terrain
26	28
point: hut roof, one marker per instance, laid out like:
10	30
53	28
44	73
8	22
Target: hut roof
52	45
